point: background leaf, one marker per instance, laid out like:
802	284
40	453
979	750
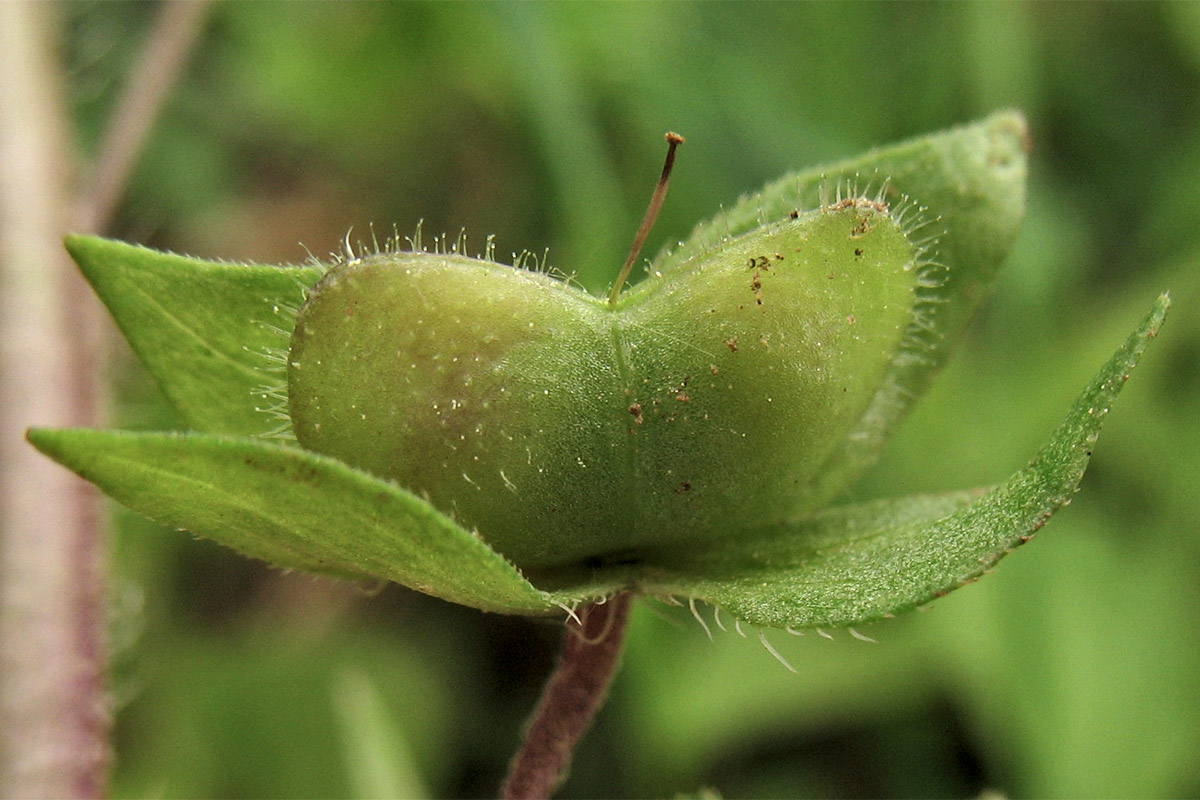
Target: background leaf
377	755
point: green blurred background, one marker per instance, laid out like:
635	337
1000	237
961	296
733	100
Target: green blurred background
1072	672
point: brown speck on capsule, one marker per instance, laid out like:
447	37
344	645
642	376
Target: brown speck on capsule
732	344
756	283
858	202
683	397
636	410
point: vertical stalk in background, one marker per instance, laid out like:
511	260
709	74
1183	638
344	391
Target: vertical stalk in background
176	31
53	717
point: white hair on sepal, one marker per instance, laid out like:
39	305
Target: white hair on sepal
717	619
273	404
276	359
270	397
762	637
700	619
737	626
570	612
663	614
716	613
284	333
693	605
302	291
284	321
280	433
312	260
288	311
609	620
274	397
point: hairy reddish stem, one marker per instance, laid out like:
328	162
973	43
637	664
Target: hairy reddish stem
54	715
575	692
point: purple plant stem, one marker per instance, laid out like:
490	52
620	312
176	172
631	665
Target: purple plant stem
54	714
575	692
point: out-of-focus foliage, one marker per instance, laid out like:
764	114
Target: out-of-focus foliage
1069	673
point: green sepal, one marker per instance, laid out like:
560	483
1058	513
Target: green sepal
295	509
212	334
843	567
855	564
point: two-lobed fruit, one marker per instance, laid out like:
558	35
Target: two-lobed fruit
569	431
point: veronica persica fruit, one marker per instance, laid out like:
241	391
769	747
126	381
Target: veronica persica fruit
565	429
500	438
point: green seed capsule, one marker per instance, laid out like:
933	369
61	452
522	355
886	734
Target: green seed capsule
566	430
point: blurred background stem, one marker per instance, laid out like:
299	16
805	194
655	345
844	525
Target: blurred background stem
54	715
